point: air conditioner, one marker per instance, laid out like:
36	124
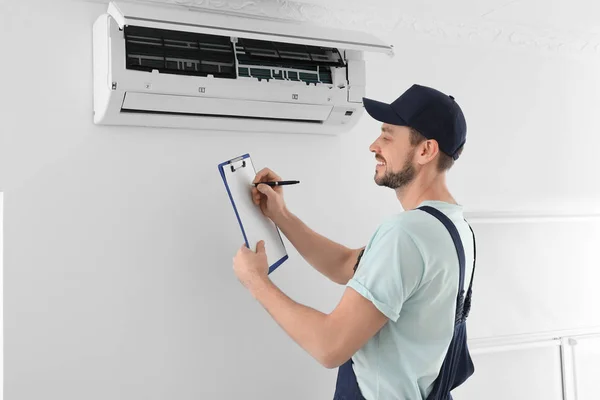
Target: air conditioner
182	68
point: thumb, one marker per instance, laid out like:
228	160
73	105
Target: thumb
260	247
266	190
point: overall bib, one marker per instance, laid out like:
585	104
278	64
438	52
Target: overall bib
457	366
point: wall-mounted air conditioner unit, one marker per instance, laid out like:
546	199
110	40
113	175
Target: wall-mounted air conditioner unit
181	68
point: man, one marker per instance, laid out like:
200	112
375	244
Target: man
399	330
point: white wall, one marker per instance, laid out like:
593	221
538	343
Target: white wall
586	357
118	280
521	374
2	298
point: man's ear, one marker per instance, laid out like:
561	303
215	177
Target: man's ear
427	151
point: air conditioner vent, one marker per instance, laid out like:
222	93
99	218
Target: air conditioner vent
179	52
189	53
287	61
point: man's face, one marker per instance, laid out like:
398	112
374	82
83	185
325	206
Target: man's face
394	154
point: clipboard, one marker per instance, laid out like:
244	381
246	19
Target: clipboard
238	175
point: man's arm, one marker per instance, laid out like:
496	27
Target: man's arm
332	259
331	339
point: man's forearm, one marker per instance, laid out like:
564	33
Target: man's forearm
328	257
308	327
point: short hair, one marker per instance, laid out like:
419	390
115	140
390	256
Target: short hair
445	162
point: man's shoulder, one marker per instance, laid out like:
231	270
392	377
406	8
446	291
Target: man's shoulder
414	225
410	222
404	228
418	221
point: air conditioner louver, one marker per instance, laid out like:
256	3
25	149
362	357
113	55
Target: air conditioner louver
207	107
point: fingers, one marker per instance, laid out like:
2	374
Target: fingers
265	175
255	196
263	189
266	190
260	247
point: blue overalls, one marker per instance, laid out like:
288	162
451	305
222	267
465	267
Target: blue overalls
457	366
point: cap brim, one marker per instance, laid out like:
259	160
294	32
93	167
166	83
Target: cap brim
382	112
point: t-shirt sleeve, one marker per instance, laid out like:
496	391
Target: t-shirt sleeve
389	271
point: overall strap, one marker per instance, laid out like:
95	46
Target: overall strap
467	306
457	244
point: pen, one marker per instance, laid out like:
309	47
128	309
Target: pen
278	183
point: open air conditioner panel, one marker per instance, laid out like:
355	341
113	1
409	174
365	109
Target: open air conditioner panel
180	17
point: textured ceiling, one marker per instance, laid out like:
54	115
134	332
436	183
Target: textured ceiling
561	14
582	15
554	25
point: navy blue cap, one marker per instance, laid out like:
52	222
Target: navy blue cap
434	114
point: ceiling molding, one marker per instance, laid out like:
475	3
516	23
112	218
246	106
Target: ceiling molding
521	217
390	24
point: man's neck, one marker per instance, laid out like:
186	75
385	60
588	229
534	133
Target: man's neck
423	189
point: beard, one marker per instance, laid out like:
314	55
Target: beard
397	180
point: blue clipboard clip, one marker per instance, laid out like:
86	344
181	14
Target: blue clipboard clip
230	164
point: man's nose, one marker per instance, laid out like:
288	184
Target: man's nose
374	148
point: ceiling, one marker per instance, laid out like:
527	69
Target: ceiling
562	25
581	15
